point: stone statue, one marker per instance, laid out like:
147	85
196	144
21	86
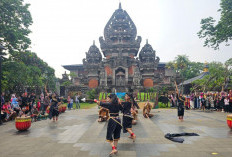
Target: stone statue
137	77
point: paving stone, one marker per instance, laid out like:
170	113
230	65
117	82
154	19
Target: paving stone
77	133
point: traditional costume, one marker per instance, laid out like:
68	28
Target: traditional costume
114	125
103	114
180	107
54	111
146	110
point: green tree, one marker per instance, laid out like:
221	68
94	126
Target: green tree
217	33
15	20
186	68
217	79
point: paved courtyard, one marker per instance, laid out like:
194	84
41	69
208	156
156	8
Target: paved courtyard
77	133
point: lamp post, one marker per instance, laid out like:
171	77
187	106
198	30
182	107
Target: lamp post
1	54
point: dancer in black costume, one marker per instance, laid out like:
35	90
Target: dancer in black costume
54	111
114	125
180	108
127	117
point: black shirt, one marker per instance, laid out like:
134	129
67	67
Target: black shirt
126	108
113	108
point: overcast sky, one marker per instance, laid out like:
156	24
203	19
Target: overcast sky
63	30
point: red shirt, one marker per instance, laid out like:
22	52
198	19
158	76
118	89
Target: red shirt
230	98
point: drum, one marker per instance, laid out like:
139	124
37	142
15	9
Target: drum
22	123
63	108
229	121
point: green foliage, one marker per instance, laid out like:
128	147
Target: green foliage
22	69
185	67
162	105
218	78
66	83
14	25
217	33
92	94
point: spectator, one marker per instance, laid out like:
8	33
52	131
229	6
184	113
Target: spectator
77	102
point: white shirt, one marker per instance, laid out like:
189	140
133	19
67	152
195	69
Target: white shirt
226	101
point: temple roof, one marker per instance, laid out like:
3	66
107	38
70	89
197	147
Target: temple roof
73	66
146	51
120	25
94	52
201	76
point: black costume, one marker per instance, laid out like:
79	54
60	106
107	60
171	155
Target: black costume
127	117
114	124
54	111
180	107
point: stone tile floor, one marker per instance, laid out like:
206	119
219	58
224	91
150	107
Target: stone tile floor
77	133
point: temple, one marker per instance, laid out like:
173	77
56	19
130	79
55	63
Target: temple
119	65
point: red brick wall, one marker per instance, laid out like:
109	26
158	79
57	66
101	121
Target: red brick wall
131	56
108	70
131	70
108	57
93	83
148	83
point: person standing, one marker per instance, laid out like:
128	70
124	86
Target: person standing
230	100
226	102
203	103
114	125
180	107
68	100
41	98
71	103
54	111
127	117
77	102
2	102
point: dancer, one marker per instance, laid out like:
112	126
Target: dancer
127	117
103	114
180	107
114	125
54	111
147	109
180	104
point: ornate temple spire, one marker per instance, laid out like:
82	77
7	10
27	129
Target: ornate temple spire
120	6
146	41
93	42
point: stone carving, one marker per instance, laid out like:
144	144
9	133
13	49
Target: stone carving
120	46
137	77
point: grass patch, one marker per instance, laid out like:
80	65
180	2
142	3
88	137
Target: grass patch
84	105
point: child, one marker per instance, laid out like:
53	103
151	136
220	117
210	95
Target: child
71	103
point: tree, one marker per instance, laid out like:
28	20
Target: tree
218	77
186	68
15	20
215	34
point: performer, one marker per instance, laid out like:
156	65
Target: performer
114	125
147	109
103	114
54	111
127	117
180	107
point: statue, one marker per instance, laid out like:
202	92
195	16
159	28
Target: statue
102	77
137	77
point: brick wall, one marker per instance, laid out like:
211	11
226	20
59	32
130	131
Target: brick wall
131	70
93	83
108	70
148	83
